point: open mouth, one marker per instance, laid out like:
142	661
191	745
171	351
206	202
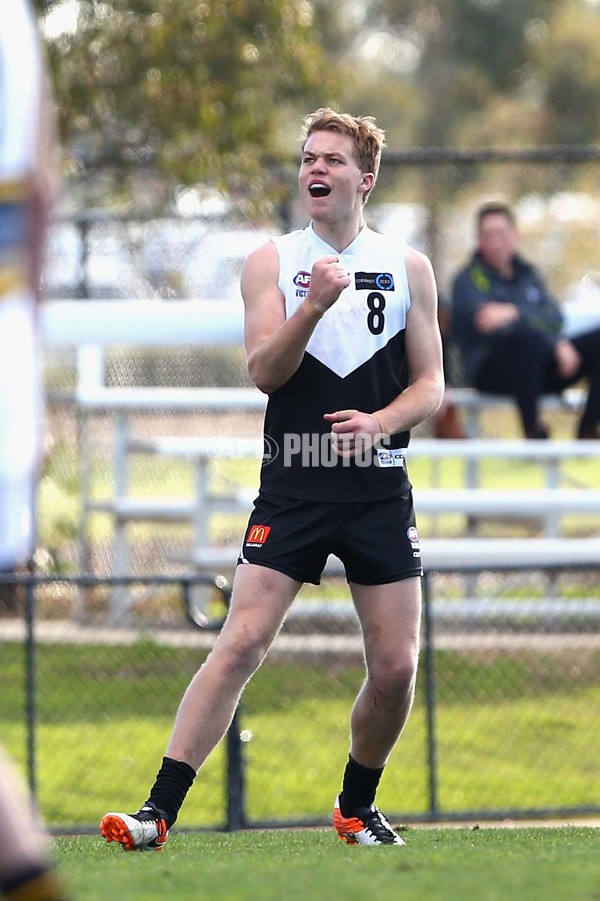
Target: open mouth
318	189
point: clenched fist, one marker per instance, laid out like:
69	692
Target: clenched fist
328	279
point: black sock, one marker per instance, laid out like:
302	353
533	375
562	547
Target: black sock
173	781
359	786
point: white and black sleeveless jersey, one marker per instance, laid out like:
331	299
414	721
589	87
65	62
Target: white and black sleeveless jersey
355	359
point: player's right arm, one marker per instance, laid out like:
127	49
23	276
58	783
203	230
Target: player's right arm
275	345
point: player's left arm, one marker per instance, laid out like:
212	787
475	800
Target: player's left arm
423	349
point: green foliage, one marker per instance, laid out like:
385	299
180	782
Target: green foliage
194	89
469	53
45	6
486	38
152	96
473	72
569	65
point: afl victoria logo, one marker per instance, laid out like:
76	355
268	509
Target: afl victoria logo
302	279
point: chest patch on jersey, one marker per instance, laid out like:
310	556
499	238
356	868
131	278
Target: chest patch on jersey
355	328
371	281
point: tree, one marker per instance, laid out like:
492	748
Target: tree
568	70
468	53
193	89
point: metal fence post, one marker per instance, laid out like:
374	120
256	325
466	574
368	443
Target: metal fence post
30	686
430	699
236	800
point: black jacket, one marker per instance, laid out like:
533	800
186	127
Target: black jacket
478	283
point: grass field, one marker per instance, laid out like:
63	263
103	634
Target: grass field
466	864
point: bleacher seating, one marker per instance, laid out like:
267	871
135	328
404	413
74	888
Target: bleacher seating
91	397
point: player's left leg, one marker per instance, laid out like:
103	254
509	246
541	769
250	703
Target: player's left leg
516	365
588	347
389	616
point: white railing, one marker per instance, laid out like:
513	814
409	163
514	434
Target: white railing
90	326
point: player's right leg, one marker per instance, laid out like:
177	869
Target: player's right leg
145	830
260	600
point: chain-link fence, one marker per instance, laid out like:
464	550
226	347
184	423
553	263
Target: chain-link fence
425	196
504	722
517	658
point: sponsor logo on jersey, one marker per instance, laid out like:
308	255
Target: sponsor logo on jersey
302	279
257	536
413	537
369	281
387	458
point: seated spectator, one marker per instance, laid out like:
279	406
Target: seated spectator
509	329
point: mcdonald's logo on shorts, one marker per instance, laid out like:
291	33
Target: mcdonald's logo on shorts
257	536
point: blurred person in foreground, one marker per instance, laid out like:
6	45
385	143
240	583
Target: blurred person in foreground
341	332
26	869
509	329
27	185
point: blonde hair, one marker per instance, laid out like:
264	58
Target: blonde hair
367	137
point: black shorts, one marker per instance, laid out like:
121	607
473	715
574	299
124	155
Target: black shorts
376	541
